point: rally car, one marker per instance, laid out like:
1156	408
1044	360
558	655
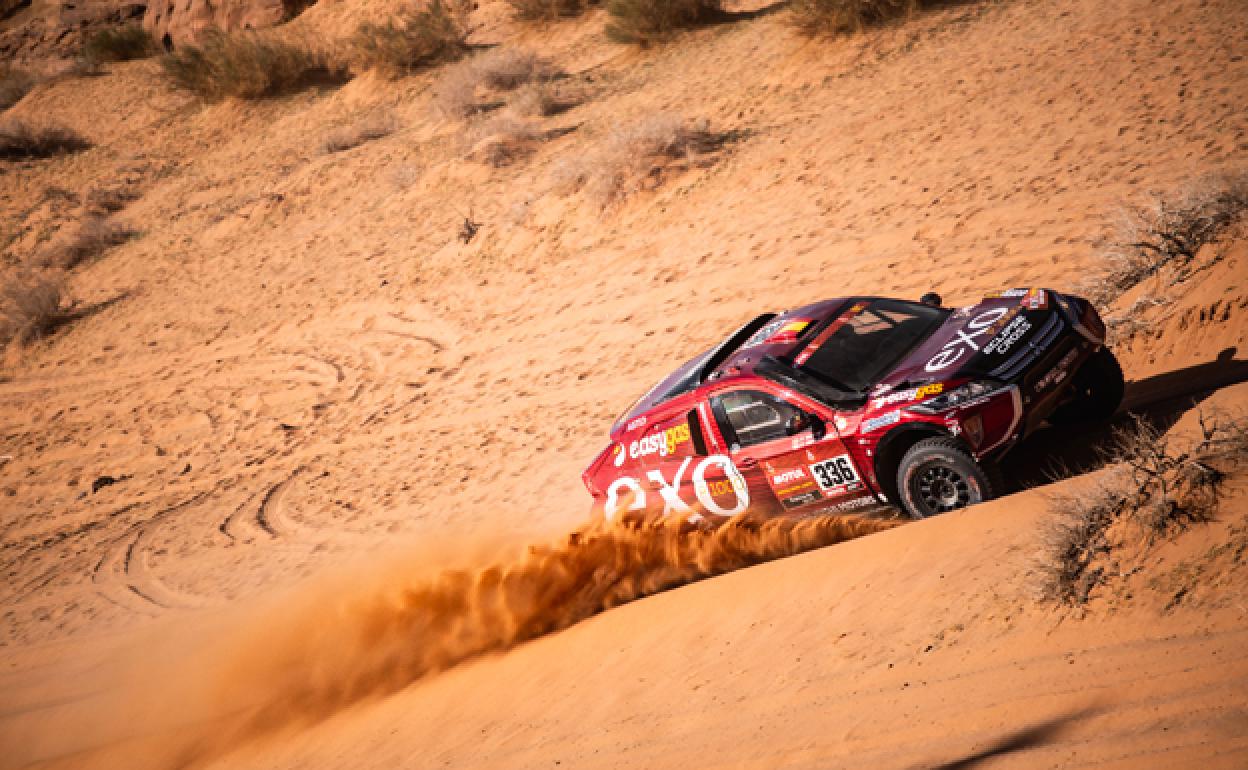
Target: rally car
856	405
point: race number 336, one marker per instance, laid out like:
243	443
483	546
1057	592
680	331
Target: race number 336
834	473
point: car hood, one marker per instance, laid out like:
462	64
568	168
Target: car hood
979	340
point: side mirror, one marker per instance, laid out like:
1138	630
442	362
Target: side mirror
931	299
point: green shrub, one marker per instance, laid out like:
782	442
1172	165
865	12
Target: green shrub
652	21
842	17
246	66
119	44
415	40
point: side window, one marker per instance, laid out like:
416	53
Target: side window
749	417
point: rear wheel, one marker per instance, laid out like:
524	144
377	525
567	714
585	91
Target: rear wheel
938	475
1096	391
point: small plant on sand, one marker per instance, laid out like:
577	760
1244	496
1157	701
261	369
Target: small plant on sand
366	130
506	139
415	40
31	305
1153	488
844	17
549	10
14	84
459	90
94	236
653	21
634	158
20	139
1166	232
246	66
123	43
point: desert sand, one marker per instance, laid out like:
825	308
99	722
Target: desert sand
313	398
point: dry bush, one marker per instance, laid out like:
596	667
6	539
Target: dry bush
123	43
634	157
1166	233
844	17
1153	487
549	10
652	21
109	199
94	236
14	84
506	139
504	69
20	139
366	130
457	93
31	305
541	99
415	40
246	66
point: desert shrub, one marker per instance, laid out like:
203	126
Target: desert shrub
633	157
537	100
20	139
31	304
1166	232
109	199
1153	488
457	93
506	139
119	44
653	21
415	40
842	17
93	236
246	66
549	10
14	84
366	130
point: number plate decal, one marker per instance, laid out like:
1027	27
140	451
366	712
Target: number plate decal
836	475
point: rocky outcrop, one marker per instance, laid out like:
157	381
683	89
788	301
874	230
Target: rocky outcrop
58	28
178	21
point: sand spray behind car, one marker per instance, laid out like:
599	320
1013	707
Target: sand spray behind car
332	643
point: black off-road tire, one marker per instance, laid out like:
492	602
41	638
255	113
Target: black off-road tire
938	475
1096	391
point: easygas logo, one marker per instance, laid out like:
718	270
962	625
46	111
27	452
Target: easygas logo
906	396
663	443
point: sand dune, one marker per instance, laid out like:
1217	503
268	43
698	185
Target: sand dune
303	386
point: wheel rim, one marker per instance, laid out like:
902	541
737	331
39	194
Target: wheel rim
941	488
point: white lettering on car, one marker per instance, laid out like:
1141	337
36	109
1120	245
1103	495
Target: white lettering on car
613	496
670	492
954	349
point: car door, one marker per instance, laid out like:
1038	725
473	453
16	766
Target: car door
805	470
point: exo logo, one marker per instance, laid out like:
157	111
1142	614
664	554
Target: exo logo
670	492
955	348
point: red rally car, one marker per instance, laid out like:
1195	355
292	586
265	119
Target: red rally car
851	405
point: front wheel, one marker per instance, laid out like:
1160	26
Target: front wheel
937	476
1096	391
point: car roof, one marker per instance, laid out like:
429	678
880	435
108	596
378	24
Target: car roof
776	335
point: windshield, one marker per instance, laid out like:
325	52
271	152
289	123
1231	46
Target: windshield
867	340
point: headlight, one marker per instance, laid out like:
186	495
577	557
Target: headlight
957	397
